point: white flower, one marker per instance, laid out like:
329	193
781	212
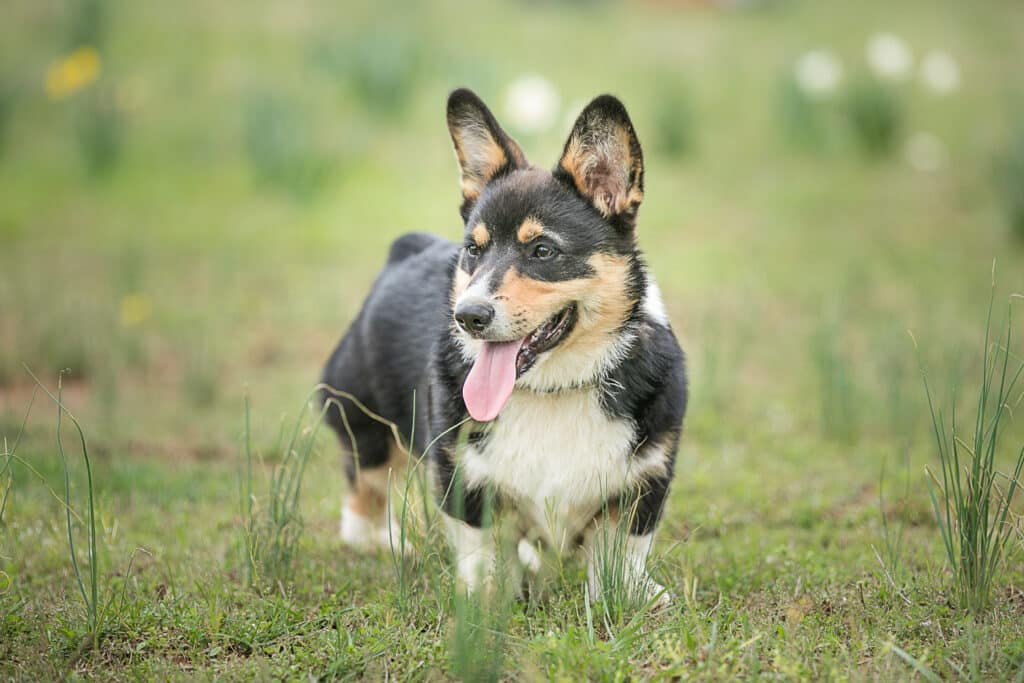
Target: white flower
531	104
889	57
818	72
940	72
925	152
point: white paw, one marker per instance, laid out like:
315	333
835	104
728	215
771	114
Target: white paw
474	554
652	590
391	539
646	590
366	535
357	530
476	571
528	556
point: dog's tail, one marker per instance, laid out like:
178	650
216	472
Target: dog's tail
410	244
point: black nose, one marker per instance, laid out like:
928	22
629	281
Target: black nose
474	317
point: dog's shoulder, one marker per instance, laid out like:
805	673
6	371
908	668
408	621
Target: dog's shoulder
650	385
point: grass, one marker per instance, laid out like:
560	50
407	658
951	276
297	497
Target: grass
1009	175
973	503
875	116
477	643
184	279
271	534
87	576
92	597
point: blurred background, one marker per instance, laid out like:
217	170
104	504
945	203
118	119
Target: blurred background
195	196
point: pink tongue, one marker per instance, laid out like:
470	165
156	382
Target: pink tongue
490	381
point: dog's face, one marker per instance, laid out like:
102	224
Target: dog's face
547	273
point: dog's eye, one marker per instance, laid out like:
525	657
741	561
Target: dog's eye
543	252
473	250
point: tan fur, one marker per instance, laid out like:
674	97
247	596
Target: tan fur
603	305
605	172
607	307
530	229
603	302
364	501
479	155
369	495
609	514
481	236
530	302
460	282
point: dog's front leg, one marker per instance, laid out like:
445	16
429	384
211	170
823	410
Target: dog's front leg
475	552
619	541
467	513
617	561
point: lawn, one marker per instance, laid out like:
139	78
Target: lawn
195	197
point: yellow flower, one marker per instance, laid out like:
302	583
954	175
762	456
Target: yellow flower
78	70
135	309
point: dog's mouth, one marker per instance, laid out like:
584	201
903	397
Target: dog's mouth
544	338
490	381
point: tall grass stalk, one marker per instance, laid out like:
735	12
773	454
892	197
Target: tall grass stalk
98	614
7	474
7	101
1010	179
840	418
972	509
410	534
397	546
479	637
415	479
480	634
800	117
249	535
271	534
623	589
892	533
91	596
920	667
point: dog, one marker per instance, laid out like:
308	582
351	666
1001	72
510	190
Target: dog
535	359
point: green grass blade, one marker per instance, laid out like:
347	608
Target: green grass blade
914	663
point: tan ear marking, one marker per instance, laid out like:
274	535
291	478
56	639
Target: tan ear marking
480	157
530	229
603	161
601	170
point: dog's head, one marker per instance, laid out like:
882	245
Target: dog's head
548	273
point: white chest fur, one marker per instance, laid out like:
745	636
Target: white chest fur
558	457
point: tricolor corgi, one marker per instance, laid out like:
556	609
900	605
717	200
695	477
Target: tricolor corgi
548	381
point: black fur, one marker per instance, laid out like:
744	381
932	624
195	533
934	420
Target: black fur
382	358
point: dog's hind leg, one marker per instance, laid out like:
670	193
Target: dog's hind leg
365	519
372	460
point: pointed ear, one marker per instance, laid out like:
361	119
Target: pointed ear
483	149
603	162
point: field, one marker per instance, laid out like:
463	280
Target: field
195	197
